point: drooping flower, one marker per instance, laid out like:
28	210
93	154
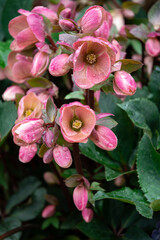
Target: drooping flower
92	61
80	197
10	93
87	214
76	121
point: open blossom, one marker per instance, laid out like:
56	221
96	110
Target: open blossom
76	121
92	61
124	84
10	93
29	107
28	131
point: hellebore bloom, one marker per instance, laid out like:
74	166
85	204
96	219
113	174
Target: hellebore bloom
104	138
80	197
96	17
15	70
48	211
77	122
87	214
27	153
28	131
10	93
62	156
60	65
29	107
92	61
124	84
152	47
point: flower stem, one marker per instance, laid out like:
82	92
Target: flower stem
77	159
54	47
18	229
90	98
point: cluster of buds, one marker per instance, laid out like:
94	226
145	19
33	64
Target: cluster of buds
87	48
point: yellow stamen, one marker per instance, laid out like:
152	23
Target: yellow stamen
77	124
91	58
28	112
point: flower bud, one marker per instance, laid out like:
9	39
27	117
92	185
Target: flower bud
50	178
152	47
48	138
124	84
103	31
48	211
65	13
62	156
127	13
48	156
40	64
87	215
10	93
59	65
26	153
67	25
80	197
119	181
104	138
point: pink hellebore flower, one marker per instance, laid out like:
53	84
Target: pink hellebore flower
62	156
77	122
124	84
80	197
15	70
97	19
152	47
10	93
48	211
27	153
28	131
87	214
29	107
60	65
104	138
92	61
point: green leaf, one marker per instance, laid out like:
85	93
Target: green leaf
39	82
72	220
155	205
95	186
128	195
140	32
3	181
54	221
7	118
96	230
75	95
51	109
143	113
154	16
148	168
4	51
8	224
135	233
26	188
154	86
33	207
111	174
136	45
107	121
10	9
130	65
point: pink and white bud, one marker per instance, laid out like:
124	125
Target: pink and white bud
48	211
62	156
48	156
50	178
87	215
128	13
10	93
104	138
27	153
28	131
66	13
152	47
67	25
124	84
40	64
48	138
80	197
59	65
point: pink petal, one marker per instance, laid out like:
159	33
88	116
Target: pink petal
26	38
26	153
36	24
17	25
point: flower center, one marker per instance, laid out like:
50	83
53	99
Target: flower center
28	112
91	58
76	124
